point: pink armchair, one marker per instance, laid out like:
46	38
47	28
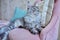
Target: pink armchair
48	33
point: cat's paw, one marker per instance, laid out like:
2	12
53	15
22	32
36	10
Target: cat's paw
34	31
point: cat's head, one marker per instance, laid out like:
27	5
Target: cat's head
35	6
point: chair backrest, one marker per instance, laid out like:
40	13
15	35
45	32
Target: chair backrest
19	13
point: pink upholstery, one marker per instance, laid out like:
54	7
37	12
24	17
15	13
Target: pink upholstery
51	31
22	34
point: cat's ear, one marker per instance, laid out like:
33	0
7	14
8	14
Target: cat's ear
39	3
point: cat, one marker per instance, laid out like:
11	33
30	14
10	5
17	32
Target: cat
33	19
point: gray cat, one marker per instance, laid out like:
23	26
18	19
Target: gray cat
33	19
